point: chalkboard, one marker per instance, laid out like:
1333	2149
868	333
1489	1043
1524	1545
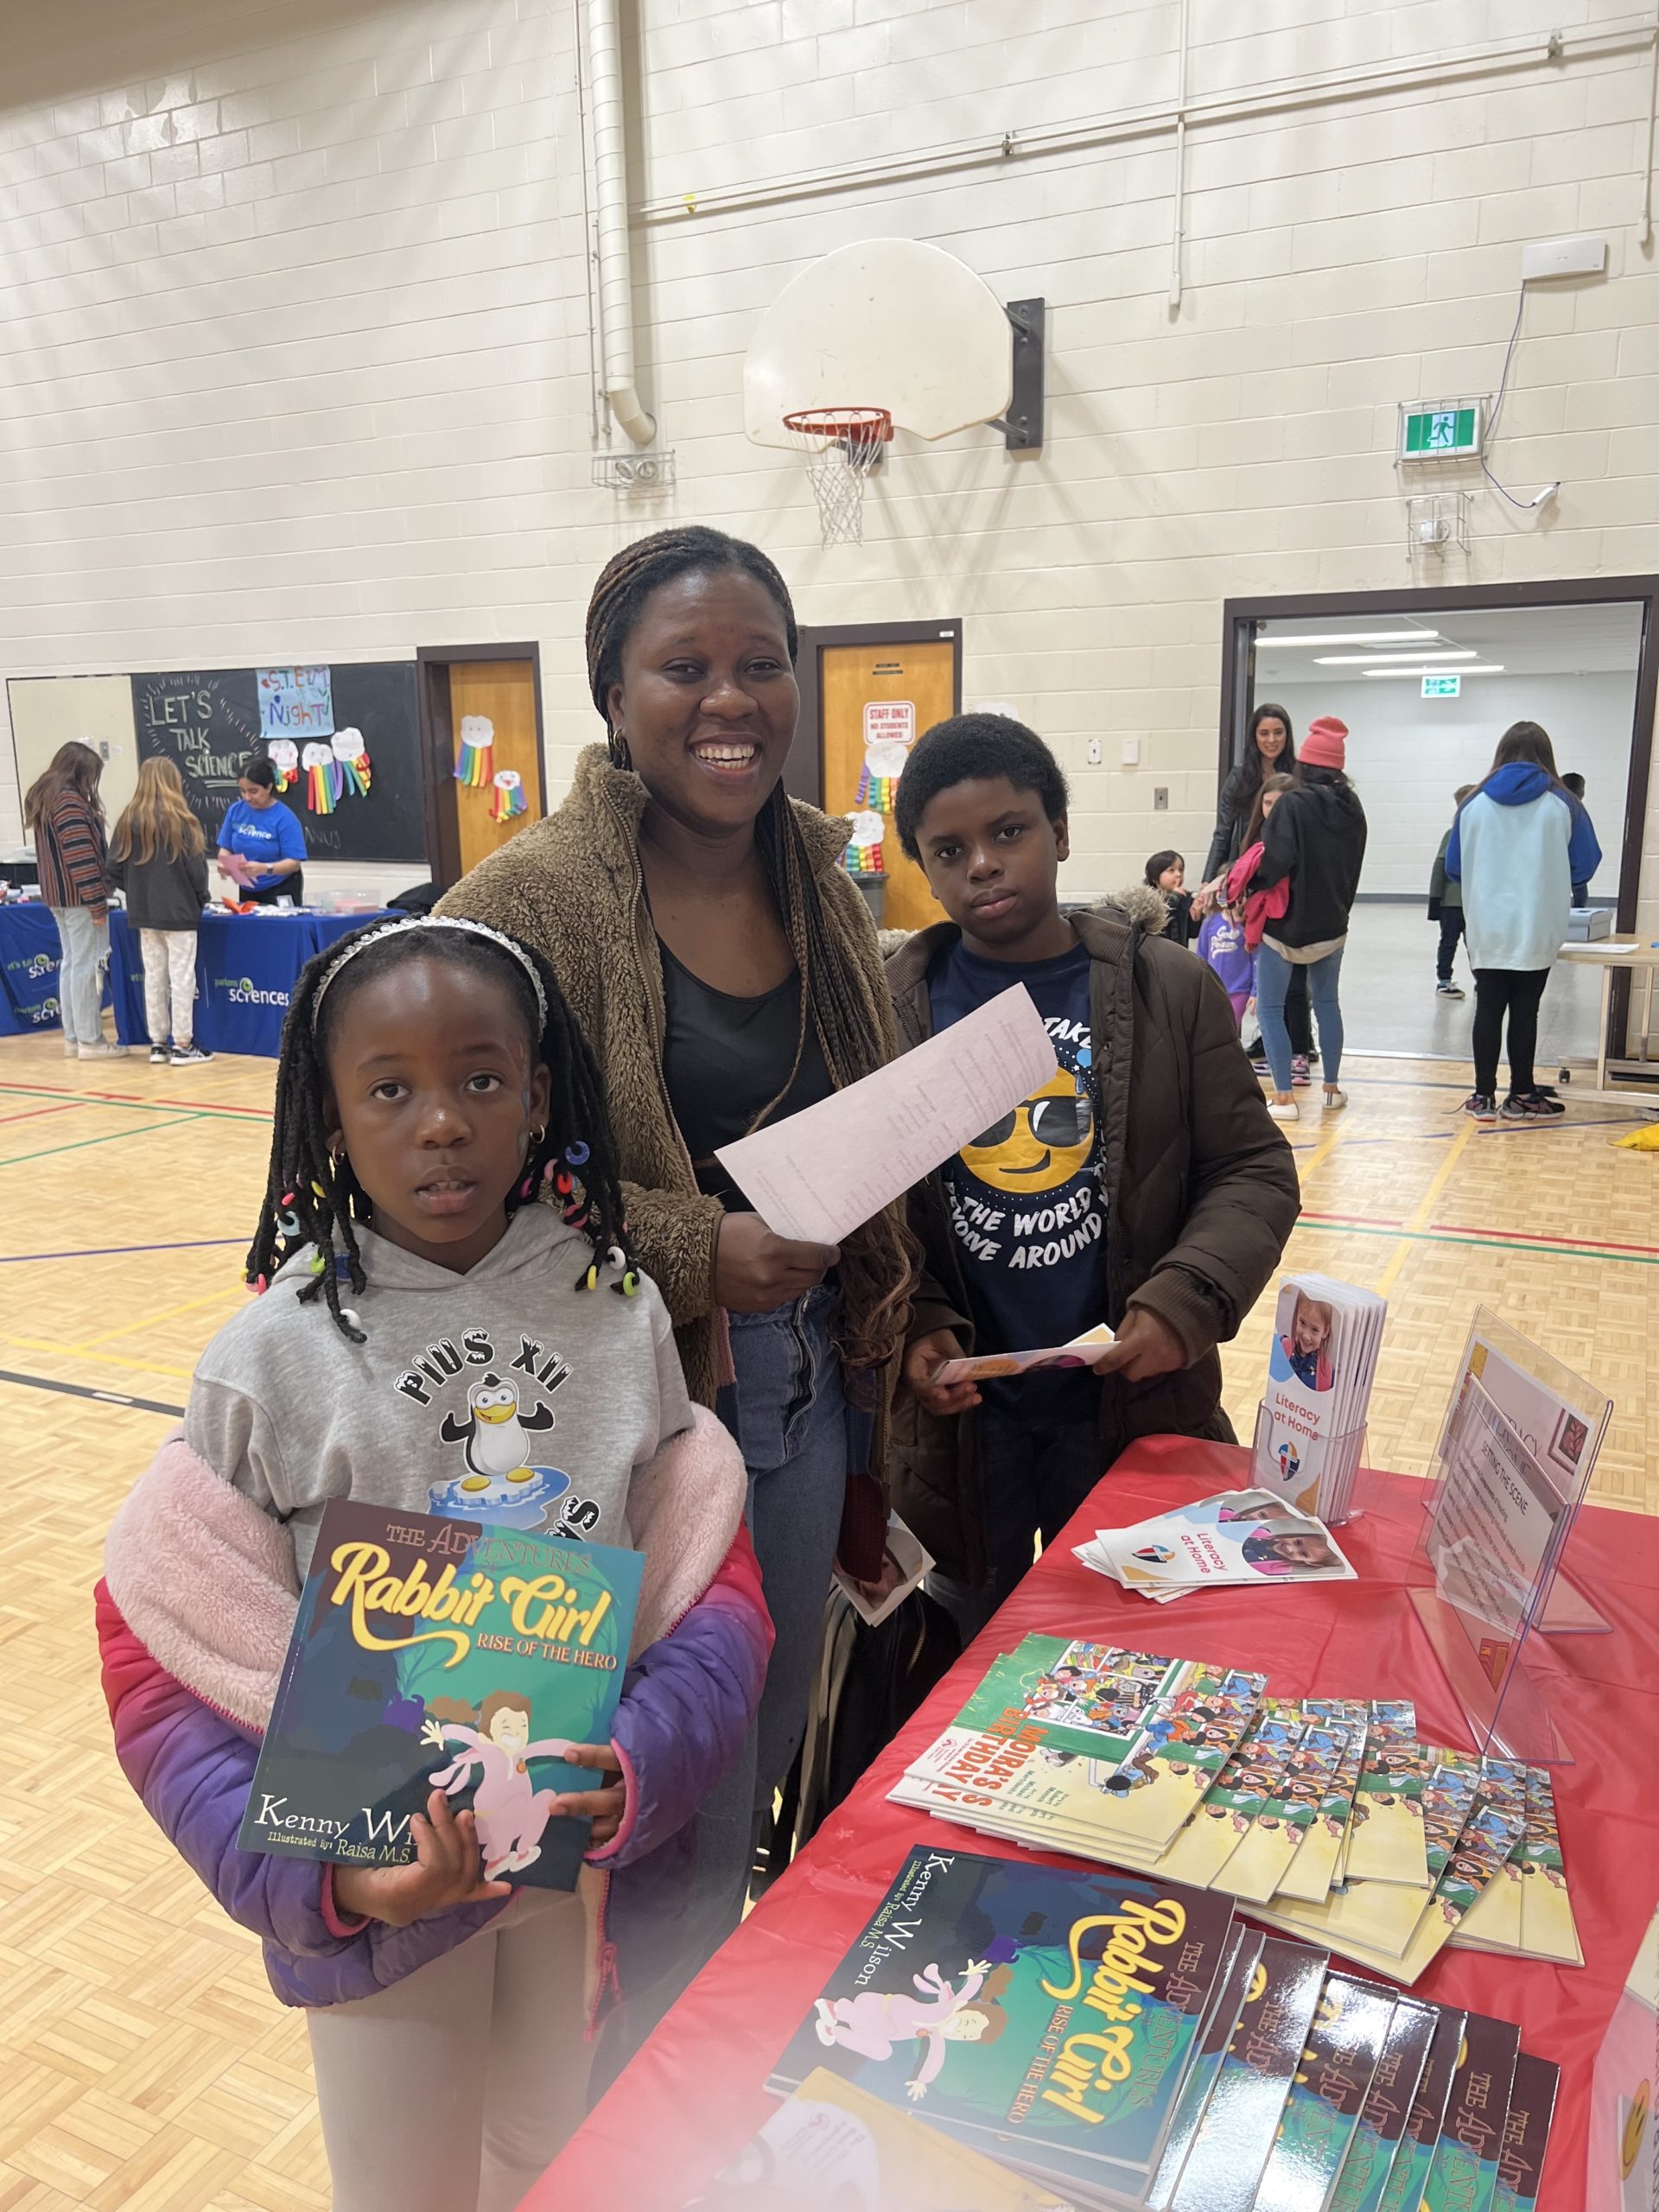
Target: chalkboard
208	723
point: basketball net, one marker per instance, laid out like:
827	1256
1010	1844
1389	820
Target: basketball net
841	445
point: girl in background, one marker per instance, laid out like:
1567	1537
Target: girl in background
1517	848
433	1092
158	858
62	813
1269	750
1166	872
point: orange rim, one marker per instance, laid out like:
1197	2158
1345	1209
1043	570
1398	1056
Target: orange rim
863	425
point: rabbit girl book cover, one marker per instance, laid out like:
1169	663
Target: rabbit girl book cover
431	1653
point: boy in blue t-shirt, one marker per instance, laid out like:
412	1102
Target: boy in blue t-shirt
1143	1184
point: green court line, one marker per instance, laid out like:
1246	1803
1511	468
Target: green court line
114	1137
132	1105
1481	1243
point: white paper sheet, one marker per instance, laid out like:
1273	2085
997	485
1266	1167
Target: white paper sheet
819	1173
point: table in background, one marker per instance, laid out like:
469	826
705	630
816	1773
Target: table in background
694	2093
246	968
1611	955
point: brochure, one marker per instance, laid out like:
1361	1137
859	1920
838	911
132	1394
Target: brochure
1236	1536
992	1366
1325	1341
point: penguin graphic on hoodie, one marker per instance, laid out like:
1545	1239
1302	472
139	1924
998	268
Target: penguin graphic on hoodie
500	1485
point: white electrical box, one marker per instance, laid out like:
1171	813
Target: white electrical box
1093	753
1131	753
1563	257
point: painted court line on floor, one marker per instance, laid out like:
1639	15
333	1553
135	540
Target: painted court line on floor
137	1105
33	1113
1479	1243
80	1390
115	1136
119	1251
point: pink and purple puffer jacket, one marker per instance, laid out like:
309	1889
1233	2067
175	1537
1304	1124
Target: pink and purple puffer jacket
194	1616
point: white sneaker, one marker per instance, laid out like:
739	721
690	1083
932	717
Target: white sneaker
1335	1101
1288	1112
70	1048
103	1050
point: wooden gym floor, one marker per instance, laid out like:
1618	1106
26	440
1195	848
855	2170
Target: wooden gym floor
143	2063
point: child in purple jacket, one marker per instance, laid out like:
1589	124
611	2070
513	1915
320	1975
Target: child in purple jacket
433	1088
1221	946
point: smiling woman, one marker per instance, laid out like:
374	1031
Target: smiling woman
724	969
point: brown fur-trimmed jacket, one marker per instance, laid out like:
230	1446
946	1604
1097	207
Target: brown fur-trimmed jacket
571	886
1200	1189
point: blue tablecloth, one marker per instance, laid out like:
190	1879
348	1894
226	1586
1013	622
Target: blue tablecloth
246	968
30	958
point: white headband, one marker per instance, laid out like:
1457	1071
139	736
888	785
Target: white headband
431	922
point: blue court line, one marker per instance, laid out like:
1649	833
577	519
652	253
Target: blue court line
116	1251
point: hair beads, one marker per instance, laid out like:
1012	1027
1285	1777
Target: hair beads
312	1197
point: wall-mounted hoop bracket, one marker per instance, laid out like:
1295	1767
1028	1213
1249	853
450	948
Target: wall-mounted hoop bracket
1022	426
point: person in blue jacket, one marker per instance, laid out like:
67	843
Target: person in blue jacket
259	829
1518	846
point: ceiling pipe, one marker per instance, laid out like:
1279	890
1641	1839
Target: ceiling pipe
610	207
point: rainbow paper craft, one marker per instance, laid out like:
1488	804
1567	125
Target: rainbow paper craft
283	756
475	754
352	770
320	770
508	799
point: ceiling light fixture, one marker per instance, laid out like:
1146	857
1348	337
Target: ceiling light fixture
1353	638
1482	668
1390	660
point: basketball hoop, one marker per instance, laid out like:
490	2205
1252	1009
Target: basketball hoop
842	445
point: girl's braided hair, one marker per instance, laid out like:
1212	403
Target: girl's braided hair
875	1259
312	1197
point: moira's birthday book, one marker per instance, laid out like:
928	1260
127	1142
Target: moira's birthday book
436	1654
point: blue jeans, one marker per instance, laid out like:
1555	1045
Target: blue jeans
1273	974
85	946
791	1429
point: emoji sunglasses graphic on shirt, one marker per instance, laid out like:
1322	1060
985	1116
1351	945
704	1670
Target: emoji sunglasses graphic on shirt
1041	1145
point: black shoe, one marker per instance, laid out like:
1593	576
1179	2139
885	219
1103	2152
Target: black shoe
191	1057
159	1056
1481	1104
1531	1106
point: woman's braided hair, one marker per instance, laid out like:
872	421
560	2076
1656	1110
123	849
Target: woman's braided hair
875	1266
312	1197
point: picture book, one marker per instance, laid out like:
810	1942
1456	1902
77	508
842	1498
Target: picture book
1526	2133
1322	2111
1268	1851
1383	1916
1045	2016
1202	1849
1313	1870
1385	1842
1325	1341
1237	2133
1482	1848
1403	2191
832	2147
1382	2116
1547	1929
1206	2065
1463	2173
432	1653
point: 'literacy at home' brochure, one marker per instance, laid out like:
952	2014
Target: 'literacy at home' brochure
1240	1537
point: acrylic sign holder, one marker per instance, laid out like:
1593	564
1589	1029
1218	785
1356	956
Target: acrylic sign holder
1555	1422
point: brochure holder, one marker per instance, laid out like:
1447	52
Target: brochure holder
1516	1452
1337	1501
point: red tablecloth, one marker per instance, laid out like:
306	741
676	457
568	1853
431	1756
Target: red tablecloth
694	2095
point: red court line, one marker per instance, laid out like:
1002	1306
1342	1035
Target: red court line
35	1111
131	1098
1520	1235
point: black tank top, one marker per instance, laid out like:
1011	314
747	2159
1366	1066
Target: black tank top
725	1060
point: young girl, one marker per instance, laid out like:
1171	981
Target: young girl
1258	908
62	815
158	858
433	1087
1166	872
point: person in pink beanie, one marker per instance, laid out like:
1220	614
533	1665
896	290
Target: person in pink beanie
1314	843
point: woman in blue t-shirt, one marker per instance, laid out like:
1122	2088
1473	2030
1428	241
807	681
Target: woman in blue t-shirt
264	836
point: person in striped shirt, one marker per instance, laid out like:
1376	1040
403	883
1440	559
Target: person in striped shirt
62	813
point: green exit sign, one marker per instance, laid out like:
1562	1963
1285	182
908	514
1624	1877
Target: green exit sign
1442	687
1440	430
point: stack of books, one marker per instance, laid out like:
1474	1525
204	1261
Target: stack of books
1094	2039
1327	1816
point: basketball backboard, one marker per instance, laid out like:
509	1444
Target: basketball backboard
884	323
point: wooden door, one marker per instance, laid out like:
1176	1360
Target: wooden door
504	691
921	677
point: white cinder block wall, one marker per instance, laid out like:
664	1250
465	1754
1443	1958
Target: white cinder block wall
295	353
